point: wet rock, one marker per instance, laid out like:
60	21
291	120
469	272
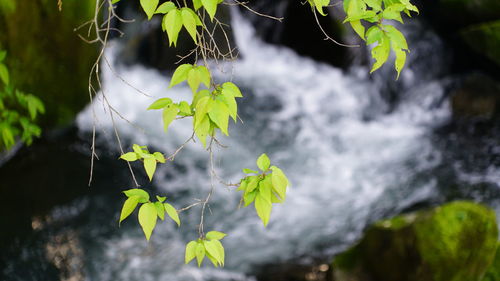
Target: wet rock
477	96
456	241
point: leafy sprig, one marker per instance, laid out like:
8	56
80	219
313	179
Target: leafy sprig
149	159
208	246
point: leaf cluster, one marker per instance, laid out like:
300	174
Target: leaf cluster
386	36
149	212
208	246
149	159
18	111
264	188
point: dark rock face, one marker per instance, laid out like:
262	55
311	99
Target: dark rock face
46	57
484	38
477	96
456	241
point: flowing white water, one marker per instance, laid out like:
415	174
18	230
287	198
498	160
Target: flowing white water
346	170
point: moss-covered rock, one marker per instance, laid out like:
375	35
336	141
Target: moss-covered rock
45	55
493	273
484	39
454	242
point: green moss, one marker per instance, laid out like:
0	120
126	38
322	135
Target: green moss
493	273
454	242
46	57
484	39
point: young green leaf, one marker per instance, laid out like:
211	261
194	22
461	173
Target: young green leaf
190	251
204	75
229	88
143	195
184	108
398	40
219	114
202	129
253	183
220	249
263	208
230	102
159	157
165	7
160	103
400	61
263	162
180	74
197	4
129	156
203	106
214	261
169	114
212	249
3	54
374	34
200	252
161	199
215	235
279	181
265	188
147	218
250	171
393	12
128	207
381	53
149	6
210	6
194	79
150	167
173	25
359	28
160	211
376	5
189	22
249	197
172	213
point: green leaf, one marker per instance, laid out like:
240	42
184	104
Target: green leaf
263	162
249	197
172	213
161	198
190	251
3	54
143	195
129	156
253	183
358	27
180	74
198	96
265	188
230	88
210	6
250	171
204	75
184	108
169	114
189	22
374	4
160	211
381	53
200	252
374	34
7	136
4	74
202	130
194	79
263	208
398	40
215	235
231	104
165	7
197	4
220	249
173	25
400	61
212	249
115	1
279	181
219	114
129	207
203	106
243	185
150	167
147	218
409	6
159	157
214	261
160	103
393	12
149	6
